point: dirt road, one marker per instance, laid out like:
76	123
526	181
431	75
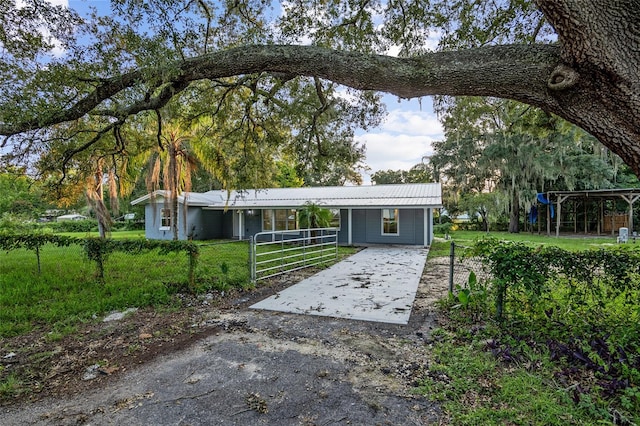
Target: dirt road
248	367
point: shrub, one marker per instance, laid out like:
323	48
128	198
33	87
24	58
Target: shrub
442	228
88	225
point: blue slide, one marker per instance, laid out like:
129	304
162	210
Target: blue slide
543	200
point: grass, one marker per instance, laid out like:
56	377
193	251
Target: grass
441	247
559	359
475	388
572	243
67	293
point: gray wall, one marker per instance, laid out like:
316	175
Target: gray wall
367	227
201	224
343	233
217	224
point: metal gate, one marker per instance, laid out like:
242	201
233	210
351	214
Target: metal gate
276	252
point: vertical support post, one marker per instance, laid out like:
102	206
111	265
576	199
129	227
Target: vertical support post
252	259
427	227
549	219
282	252
558	214
452	255
613	219
305	236
350	224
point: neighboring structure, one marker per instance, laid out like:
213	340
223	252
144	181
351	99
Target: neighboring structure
592	211
379	214
72	216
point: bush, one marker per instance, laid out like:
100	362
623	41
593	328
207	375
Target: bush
442	228
128	225
10	222
88	225
580	311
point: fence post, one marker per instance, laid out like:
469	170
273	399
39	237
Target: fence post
452	255
252	260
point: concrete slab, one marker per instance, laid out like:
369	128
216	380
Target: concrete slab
376	284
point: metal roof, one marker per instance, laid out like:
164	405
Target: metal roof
404	195
597	193
195	199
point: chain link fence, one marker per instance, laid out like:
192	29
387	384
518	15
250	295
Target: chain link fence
461	265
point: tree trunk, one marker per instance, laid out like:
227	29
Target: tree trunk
173	183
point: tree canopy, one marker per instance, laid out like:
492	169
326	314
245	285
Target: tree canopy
573	58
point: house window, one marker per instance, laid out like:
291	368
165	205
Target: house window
283	219
335	219
165	219
390	221
267	220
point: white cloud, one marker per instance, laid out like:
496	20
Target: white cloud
412	122
403	138
392	151
64	3
57	49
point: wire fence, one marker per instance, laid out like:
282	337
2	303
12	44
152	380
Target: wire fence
225	262
461	265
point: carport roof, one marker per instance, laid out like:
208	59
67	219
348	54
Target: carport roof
404	195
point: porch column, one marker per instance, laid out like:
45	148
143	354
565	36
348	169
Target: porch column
350	225
428	229
240	225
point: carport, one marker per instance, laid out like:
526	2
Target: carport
376	284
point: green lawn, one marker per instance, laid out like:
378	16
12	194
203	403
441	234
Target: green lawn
572	242
66	291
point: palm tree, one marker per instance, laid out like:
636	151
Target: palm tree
312	216
177	164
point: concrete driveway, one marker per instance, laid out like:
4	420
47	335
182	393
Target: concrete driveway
376	284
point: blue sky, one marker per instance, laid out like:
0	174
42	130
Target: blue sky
400	142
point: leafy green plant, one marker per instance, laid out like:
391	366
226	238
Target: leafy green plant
579	311
473	294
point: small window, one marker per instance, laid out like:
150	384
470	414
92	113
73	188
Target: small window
335	219
390	222
165	219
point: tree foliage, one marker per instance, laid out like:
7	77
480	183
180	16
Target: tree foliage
572	58
499	146
19	194
416	174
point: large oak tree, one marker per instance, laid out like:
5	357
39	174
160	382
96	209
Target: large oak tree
586	69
